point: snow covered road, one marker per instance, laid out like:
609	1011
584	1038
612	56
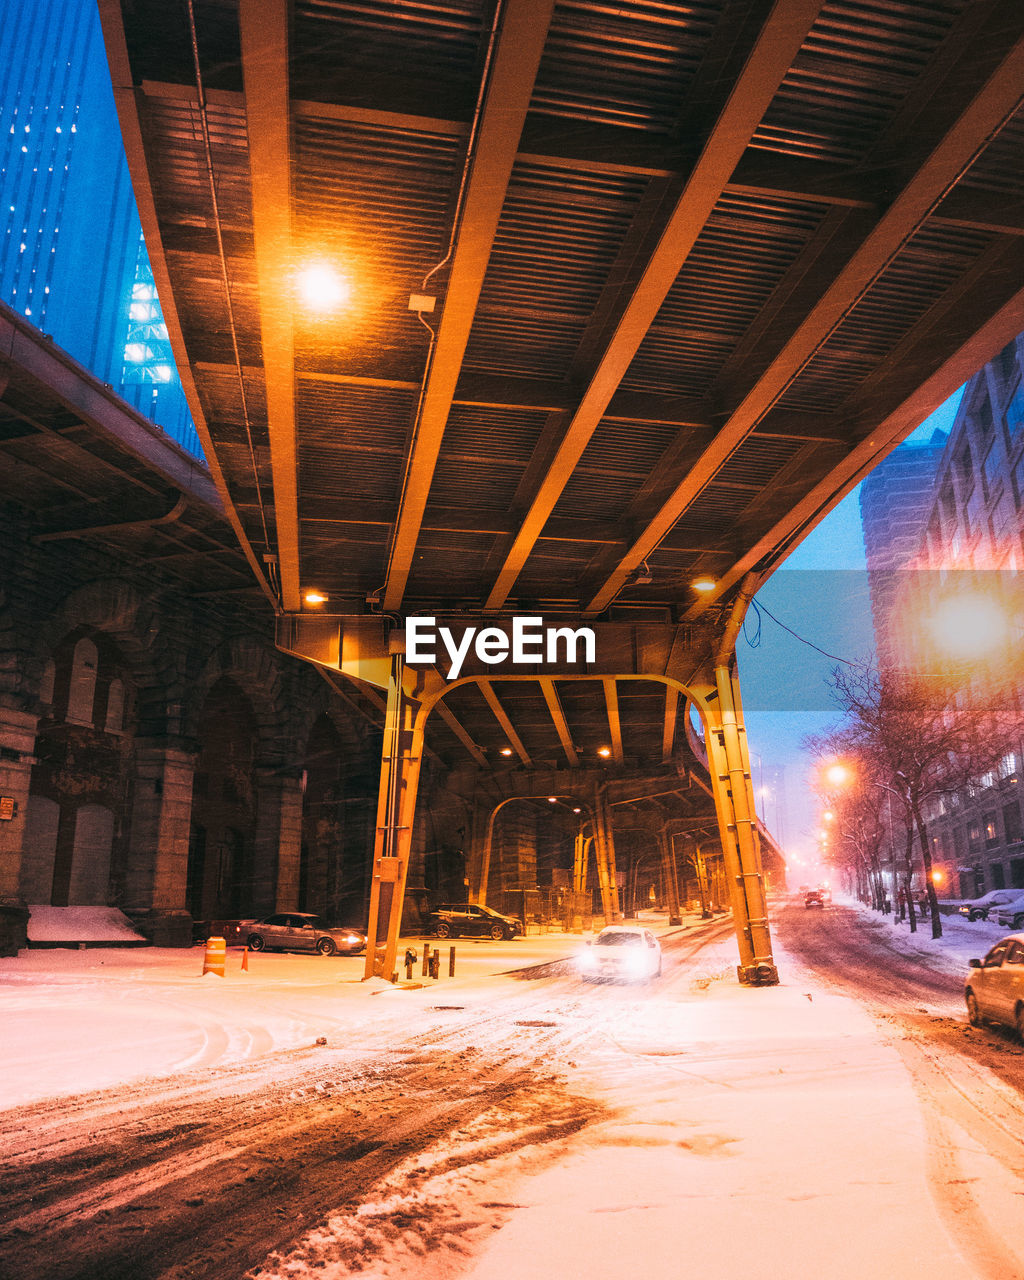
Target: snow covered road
492	1124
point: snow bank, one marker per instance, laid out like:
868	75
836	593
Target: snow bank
80	924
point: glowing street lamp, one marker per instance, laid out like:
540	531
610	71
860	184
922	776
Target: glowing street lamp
838	775
321	288
970	626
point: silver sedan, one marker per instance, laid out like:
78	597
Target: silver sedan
299	931
994	990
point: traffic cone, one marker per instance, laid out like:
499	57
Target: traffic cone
213	960
245	960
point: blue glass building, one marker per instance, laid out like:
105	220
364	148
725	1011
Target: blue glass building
72	258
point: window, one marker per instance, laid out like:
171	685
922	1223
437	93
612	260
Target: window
115	707
83	682
1015	953
991	830
46	683
992	469
974	832
995	957
1008	765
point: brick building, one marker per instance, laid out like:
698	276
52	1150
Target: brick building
929	514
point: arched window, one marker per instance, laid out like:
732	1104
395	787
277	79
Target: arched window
115	707
82	688
46	683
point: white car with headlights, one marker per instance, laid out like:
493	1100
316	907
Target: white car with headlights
625	952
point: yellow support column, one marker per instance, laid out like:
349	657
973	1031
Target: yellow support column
737	824
668	863
396	810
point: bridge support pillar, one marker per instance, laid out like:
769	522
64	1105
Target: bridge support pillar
604	847
396	808
737	823
668	866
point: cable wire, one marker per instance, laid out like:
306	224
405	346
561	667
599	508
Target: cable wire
760	608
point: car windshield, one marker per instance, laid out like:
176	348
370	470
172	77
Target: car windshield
618	940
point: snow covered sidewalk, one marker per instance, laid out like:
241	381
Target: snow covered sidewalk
768	1133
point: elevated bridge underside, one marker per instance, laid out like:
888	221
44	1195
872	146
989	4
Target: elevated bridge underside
634	296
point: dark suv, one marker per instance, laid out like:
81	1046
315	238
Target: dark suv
463	920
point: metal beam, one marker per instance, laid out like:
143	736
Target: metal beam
448	716
770	59
263	28
611	702
516	59
986	338
125	526
501	715
668	739
996	100
558	716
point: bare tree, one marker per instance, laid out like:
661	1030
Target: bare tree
855	807
920	737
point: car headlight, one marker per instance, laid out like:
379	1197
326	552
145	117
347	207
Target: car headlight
352	939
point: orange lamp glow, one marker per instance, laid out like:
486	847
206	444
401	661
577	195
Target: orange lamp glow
969	626
321	288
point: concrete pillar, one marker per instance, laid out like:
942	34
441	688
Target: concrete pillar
17	747
278	842
158	843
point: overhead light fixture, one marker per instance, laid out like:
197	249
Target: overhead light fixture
640	576
506	751
703	584
322	288
552	799
315	597
577	810
604	751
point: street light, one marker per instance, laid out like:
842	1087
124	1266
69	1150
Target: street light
321	287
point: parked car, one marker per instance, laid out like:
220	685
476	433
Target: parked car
466	920
623	951
299	931
994	989
979	908
1010	914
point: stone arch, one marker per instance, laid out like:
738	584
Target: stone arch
256	669
117	610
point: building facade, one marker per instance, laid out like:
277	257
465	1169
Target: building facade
932	516
72	257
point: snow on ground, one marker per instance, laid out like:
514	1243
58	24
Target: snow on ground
76	1020
734	1131
961	939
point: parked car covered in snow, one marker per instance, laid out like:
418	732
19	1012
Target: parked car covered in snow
994	989
623	951
1010	914
979	908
